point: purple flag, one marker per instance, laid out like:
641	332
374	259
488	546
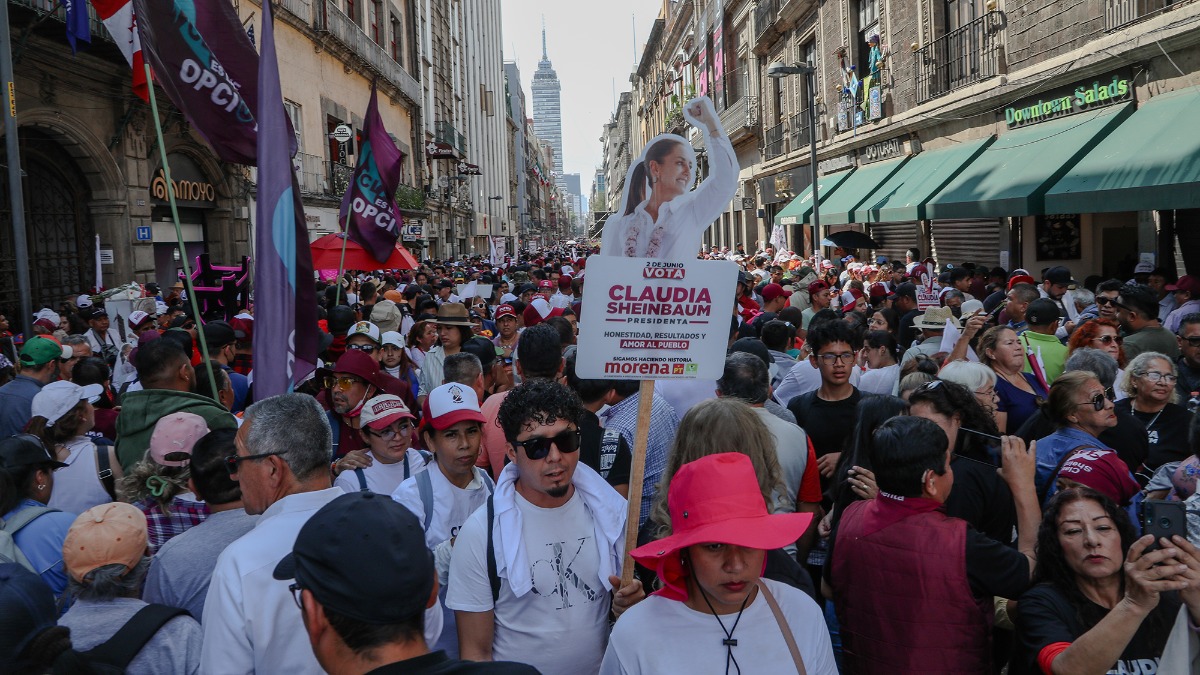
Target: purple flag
285	330
79	29
213	82
368	213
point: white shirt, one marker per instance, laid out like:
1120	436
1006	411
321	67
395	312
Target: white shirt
432	371
803	378
683	394
382	478
251	622
77	486
885	380
659	635
561	626
452	505
684	219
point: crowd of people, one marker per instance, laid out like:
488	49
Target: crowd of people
876	483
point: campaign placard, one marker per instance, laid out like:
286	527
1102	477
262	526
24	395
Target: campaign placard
926	295
648	319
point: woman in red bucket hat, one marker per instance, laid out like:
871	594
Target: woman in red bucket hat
714	606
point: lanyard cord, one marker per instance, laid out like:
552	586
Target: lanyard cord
729	640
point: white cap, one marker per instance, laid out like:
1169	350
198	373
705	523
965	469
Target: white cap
137	318
58	398
1143	268
450	404
364	328
47	313
381	411
393	338
83	302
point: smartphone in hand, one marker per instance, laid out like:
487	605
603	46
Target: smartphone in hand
1163	518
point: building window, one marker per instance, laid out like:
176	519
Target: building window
353	9
868	24
397	40
293	112
374	17
962	12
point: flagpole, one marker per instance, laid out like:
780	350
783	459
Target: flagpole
187	267
341	268
15	191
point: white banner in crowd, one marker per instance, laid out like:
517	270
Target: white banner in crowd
650	319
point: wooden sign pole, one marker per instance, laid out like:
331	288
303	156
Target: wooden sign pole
637	476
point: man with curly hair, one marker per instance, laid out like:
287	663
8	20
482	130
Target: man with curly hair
555	531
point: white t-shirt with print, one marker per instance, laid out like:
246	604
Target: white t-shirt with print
452	505
561	626
382	478
659	635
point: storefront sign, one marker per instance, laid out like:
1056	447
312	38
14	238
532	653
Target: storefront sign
188	182
835	164
412	230
652	319
1104	91
877	152
782	186
436	150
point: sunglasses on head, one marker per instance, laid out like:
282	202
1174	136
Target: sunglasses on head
539	448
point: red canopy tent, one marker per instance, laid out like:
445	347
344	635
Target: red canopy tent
327	253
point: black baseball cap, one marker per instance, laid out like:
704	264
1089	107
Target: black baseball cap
217	334
907	290
357	549
1042	312
1059	275
25	450
483	349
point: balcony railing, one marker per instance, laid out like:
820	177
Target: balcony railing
60	13
773	141
446	133
1117	13
740	115
799	131
335	22
764	16
311	172
301	8
961	57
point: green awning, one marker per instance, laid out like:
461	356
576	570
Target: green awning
798	210
902	197
1011	177
839	208
1150	162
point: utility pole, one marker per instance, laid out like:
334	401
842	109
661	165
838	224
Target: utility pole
16	196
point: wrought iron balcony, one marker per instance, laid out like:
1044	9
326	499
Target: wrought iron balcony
740	116
59	12
339	176
1117	13
446	133
799	131
961	57
330	19
773	141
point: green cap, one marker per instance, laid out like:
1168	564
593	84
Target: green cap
41	350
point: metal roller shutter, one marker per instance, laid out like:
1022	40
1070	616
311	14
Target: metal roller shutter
960	241
895	238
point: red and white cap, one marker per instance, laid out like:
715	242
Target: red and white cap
450	404
505	310
137	318
384	410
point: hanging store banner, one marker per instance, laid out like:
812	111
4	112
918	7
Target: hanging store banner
650	319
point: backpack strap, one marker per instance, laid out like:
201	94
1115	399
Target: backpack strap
125	644
362	479
493	574
335	427
488	482
425	490
23	518
104	470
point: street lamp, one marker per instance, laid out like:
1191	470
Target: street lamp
779	70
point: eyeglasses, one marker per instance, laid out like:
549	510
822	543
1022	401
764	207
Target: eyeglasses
297	595
390	432
362	348
1097	402
830	359
1109	339
1102	300
232	461
344	383
1193	341
1155	376
538	448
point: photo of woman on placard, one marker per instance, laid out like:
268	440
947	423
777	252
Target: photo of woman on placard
661	216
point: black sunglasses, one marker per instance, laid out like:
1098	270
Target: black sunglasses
538	448
1097	402
1103	300
1192	341
232	461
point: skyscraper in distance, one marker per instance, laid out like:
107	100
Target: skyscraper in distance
547	109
